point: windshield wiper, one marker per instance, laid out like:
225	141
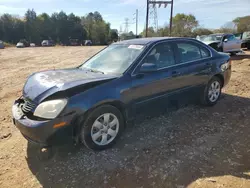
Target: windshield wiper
94	70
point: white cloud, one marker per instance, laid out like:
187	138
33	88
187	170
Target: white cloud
132	2
11	10
23	1
9	1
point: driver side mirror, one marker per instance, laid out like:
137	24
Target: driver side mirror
148	67
225	40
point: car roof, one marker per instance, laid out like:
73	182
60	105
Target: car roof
145	41
222	34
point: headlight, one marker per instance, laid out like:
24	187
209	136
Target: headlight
50	109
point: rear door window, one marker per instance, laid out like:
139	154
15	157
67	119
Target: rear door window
231	38
205	52
189	51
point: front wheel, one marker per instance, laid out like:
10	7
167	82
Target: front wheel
102	128
212	92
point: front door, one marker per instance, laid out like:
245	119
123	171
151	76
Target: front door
152	87
231	44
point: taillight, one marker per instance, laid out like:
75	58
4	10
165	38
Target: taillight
226	65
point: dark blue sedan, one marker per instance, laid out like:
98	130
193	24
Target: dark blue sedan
93	102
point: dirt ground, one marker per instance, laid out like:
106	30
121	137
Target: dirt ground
192	147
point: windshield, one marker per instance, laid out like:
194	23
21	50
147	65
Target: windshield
246	35
114	59
211	38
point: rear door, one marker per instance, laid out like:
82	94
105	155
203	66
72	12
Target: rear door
194	63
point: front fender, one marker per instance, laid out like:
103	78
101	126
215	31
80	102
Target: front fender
94	97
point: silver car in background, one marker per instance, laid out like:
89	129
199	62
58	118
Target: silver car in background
223	42
48	43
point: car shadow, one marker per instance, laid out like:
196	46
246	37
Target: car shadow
167	150
240	56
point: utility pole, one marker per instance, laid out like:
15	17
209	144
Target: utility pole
171	18
154	3
147	18
136	22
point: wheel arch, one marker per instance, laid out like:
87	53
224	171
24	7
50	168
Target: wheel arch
82	117
221	78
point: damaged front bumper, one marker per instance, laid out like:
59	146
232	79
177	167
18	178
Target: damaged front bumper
44	133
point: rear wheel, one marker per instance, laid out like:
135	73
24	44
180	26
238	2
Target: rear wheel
212	92
102	128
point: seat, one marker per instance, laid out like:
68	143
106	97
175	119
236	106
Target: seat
166	57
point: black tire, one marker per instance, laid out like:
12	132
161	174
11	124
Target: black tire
232	53
205	100
86	127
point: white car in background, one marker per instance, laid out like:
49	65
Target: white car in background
32	45
20	45
227	43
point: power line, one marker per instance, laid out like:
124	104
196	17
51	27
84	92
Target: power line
153	20
126	25
153	13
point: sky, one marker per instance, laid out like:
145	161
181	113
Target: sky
210	13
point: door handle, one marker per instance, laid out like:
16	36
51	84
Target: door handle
175	73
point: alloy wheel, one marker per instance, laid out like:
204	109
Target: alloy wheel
214	91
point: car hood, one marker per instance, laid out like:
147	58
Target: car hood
210	42
43	84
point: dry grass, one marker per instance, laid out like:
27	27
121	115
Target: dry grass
191	147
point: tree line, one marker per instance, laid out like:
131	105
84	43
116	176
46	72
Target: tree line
188	26
59	27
